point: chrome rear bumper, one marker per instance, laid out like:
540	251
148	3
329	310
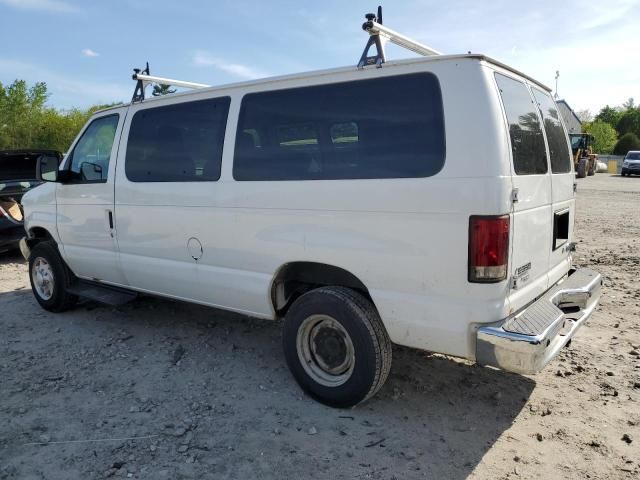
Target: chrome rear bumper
526	342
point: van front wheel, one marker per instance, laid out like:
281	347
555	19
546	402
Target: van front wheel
336	346
50	278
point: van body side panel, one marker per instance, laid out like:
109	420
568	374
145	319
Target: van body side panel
405	239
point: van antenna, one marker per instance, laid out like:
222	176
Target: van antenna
379	35
143	78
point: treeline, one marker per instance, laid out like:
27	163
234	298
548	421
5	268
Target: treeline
26	121
615	129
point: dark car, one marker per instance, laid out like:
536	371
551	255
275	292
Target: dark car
17	176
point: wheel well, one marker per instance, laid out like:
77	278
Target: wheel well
296	278
37	235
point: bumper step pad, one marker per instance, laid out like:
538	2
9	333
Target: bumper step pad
528	341
545	312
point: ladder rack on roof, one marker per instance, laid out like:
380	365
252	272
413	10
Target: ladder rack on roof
144	78
378	36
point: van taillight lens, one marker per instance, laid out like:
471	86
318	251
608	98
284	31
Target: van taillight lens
488	248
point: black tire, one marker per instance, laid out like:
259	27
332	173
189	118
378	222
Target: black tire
371	346
581	169
60	299
623	173
592	170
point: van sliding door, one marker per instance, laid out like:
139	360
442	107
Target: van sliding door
168	196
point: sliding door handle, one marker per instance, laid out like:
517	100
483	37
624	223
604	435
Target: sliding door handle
109	222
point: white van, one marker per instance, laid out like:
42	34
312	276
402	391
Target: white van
429	203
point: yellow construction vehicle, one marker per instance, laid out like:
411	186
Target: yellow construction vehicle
585	161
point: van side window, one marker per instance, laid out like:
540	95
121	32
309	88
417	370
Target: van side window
177	143
556	137
389	127
89	162
527	142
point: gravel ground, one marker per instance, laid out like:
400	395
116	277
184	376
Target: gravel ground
161	389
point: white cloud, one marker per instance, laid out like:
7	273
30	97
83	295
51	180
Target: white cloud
67	91
205	59
56	6
87	52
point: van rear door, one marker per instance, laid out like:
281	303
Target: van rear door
531	231
562	180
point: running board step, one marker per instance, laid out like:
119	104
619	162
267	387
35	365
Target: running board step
100	293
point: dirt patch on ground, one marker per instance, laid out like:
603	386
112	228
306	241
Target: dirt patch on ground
161	389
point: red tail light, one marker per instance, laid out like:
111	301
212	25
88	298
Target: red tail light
488	248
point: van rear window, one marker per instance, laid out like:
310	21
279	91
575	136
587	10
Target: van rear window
556	136
177	143
527	141
389	127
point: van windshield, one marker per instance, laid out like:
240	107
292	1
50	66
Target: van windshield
633	156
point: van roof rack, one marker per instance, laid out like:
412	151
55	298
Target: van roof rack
379	35
144	78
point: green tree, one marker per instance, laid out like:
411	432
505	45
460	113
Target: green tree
604	136
159	90
609	115
20	109
26	121
628	141
629	122
629	104
57	130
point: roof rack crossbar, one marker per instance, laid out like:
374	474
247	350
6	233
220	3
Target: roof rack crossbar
379	34
143	79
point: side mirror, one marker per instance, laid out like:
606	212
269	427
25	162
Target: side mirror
47	168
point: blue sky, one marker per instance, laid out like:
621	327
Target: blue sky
85	50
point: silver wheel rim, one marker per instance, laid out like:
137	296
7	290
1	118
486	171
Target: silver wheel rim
42	276
325	350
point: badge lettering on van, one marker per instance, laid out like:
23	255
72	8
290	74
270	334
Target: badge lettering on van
523	269
521	275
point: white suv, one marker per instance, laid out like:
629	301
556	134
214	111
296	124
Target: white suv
429	203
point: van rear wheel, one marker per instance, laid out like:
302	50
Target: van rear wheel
336	346
50	278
